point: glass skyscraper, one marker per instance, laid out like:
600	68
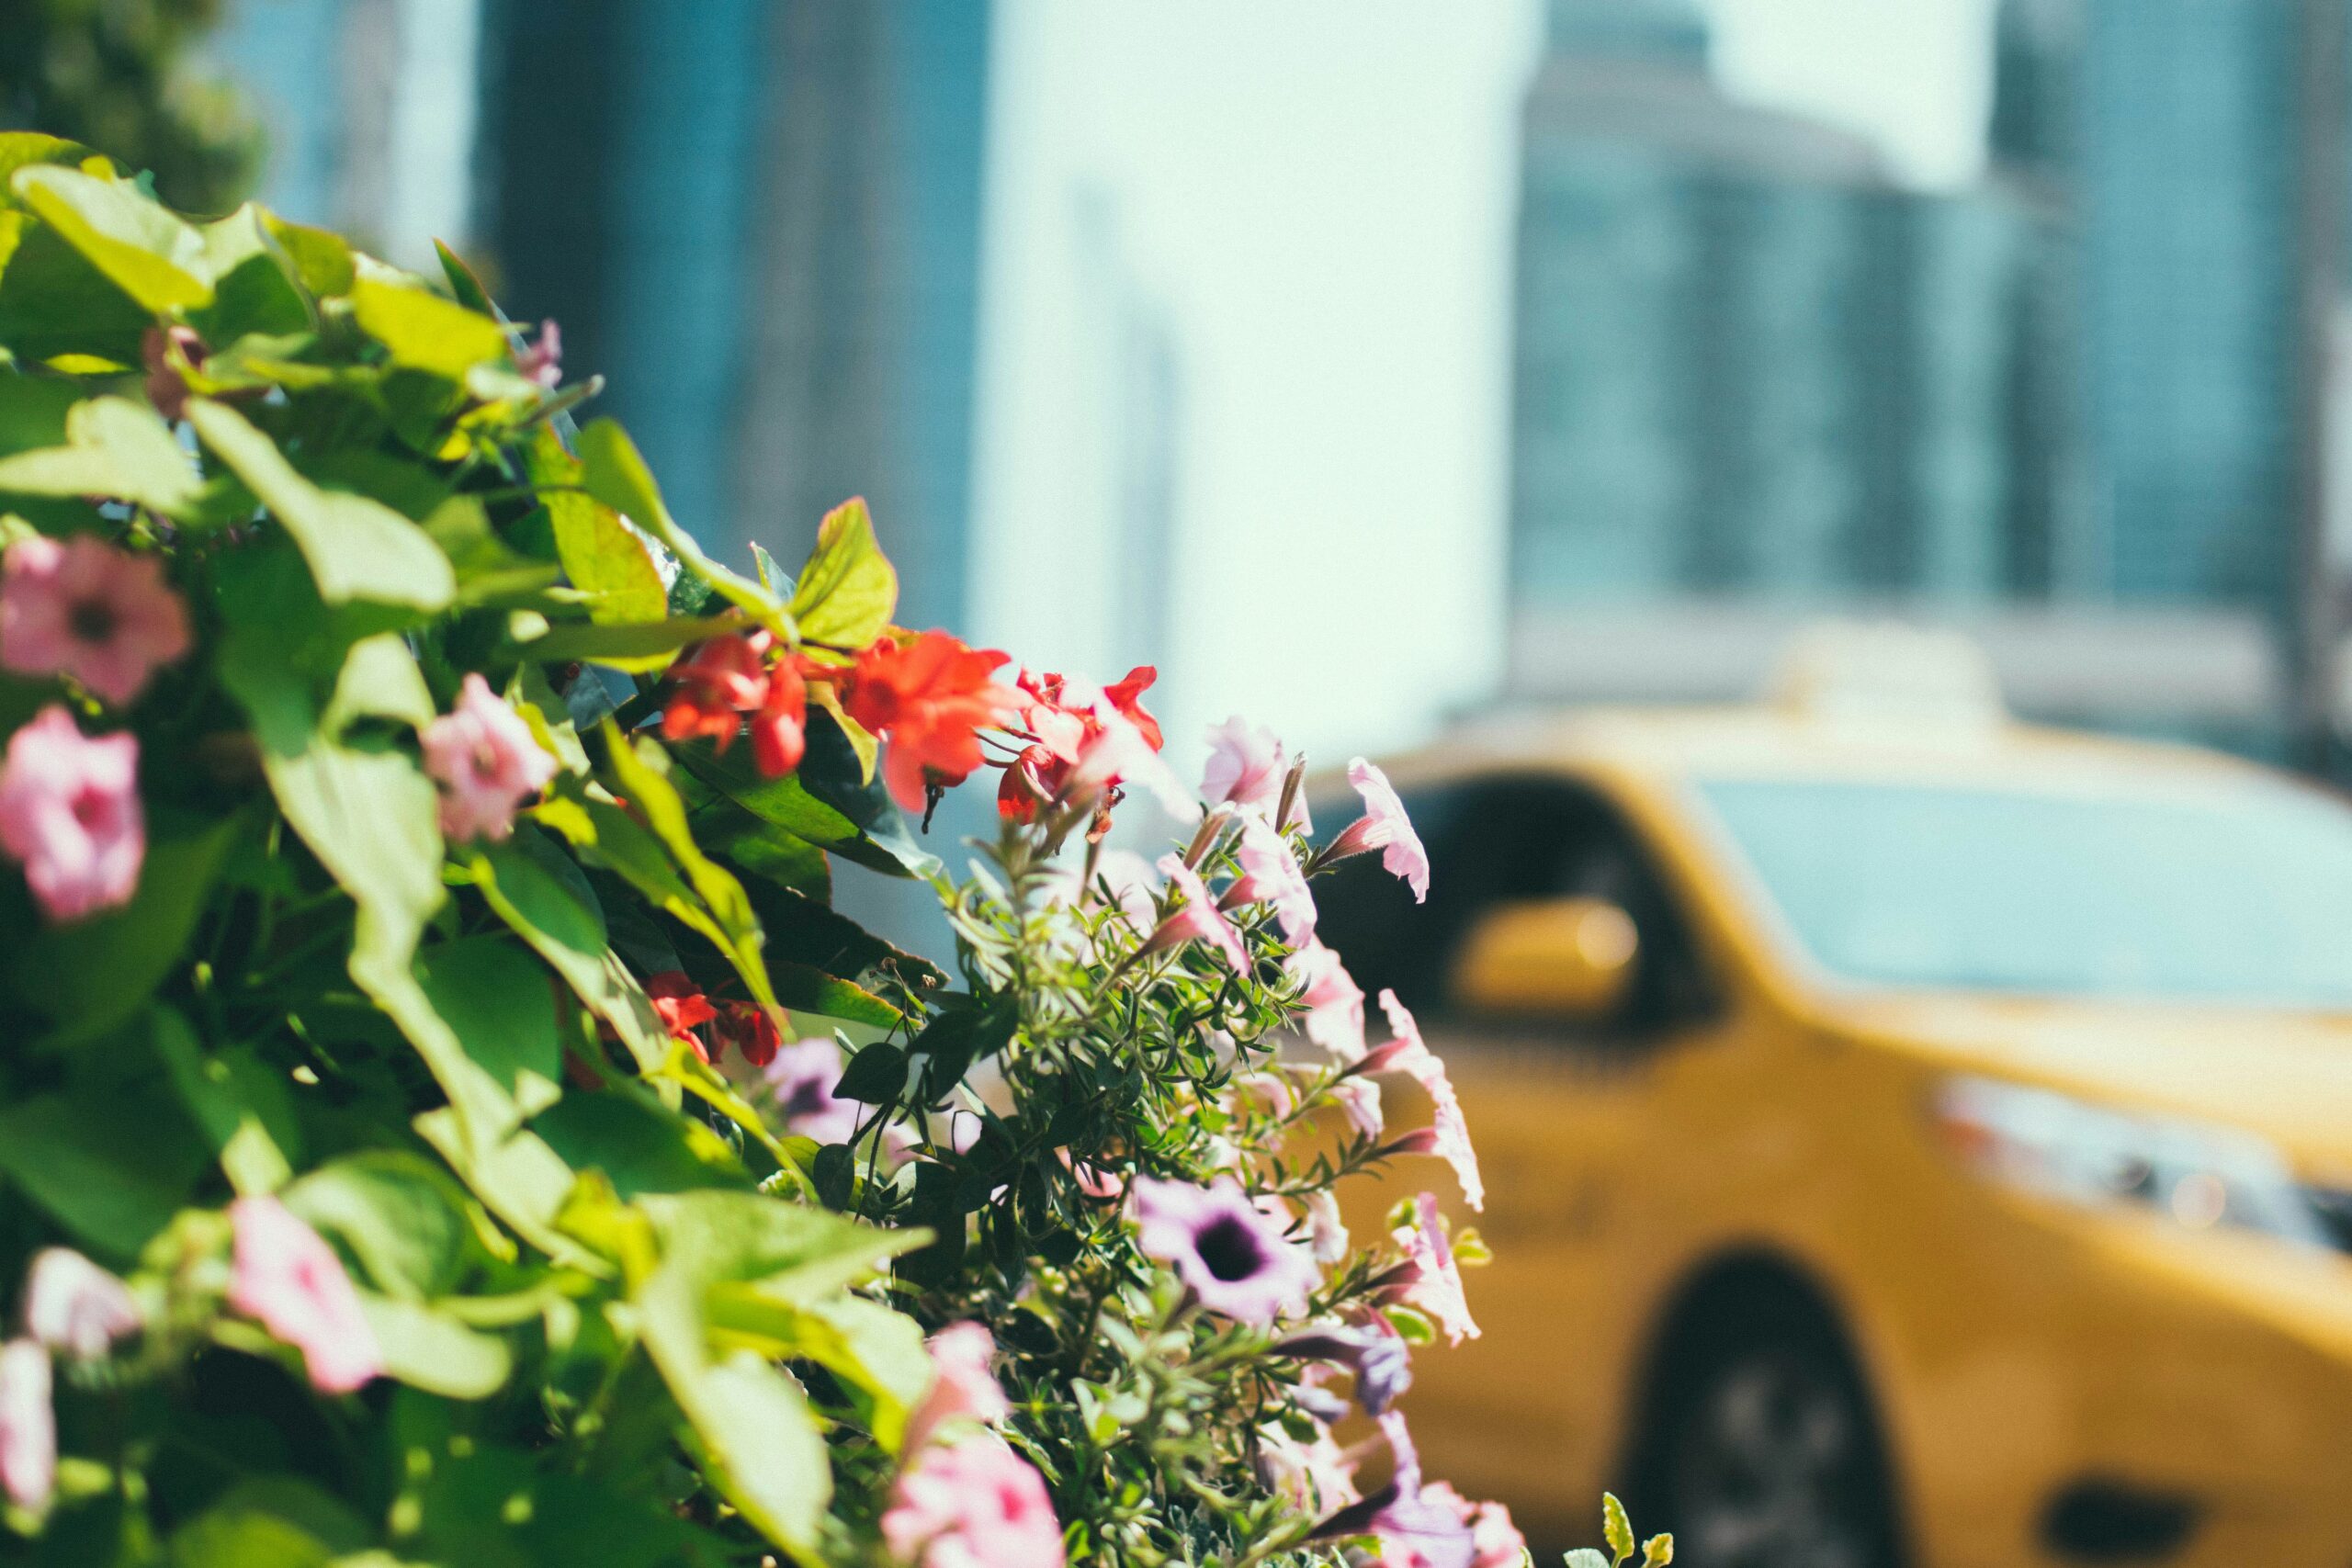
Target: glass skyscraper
1746	364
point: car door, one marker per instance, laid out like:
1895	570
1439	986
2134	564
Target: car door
1566	1115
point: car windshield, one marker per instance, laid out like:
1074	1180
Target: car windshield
2239	893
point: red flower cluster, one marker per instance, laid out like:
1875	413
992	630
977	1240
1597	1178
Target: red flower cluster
930	697
726	681
685	1009
1060	729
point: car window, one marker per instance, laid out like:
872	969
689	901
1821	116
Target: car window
1503	840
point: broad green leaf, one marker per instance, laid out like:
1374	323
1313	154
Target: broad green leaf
255	288
424	331
111	1165
849	588
1615	1528
356	548
834	772
429	1349
616	474
648	645
813	933
241	1105
54	301
642	772
772	857
559	920
875	1075
517	1177
33	410
93	975
463	282
22	149
398	1214
238	1536
113	448
641	1145
495	997
1585	1557
143	248
379	680
871	1348
785	802
486	567
321	260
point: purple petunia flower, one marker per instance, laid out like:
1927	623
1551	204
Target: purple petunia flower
1418	1527
802	1077
1231	1253
1374	1352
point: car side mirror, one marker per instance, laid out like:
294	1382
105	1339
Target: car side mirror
1562	958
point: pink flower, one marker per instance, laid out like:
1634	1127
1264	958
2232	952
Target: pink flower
27	1427
1229	1251
1418	1526
802	1077
1196	919
77	1308
83	608
1383	827
1360	1098
487	762
1428	1278
1495	1541
283	1275
972	1505
1452	1132
962	1387
542	363
1311	1476
70	811
1334	1002
1327	1234
1245	767
1270	875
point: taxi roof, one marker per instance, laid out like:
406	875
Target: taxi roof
1768	739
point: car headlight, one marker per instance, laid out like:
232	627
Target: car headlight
2199	1174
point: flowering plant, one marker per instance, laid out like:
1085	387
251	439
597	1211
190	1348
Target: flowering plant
417	1143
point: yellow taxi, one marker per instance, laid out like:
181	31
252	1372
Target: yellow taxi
1910	1136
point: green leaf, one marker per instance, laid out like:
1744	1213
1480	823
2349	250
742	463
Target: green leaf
238	1536
616	474
1615	1528
93	974
146	252
255	286
54	303
1585	1557
22	149
849	588
487	569
642	772
321	260
518	1178
241	1106
522	881
424	331
398	1214
875	1351
356	548
33	410
631	644
641	1145
833	773
429	1349
113	448
495	997
806	988
111	1164
1657	1551
875	1075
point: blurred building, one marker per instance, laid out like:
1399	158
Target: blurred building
2168	129
759	219
2061	409
1747	364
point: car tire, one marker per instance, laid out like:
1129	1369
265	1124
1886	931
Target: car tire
1761	1448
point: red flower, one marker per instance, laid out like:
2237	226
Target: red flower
1030	780
1127	696
681	1006
751	1030
716	680
929	698
779	730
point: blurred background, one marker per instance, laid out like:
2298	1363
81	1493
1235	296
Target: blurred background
1368	363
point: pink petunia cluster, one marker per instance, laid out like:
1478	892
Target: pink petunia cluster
972	1504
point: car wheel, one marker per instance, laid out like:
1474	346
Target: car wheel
1762	1452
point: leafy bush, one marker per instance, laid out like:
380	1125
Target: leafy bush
425	859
